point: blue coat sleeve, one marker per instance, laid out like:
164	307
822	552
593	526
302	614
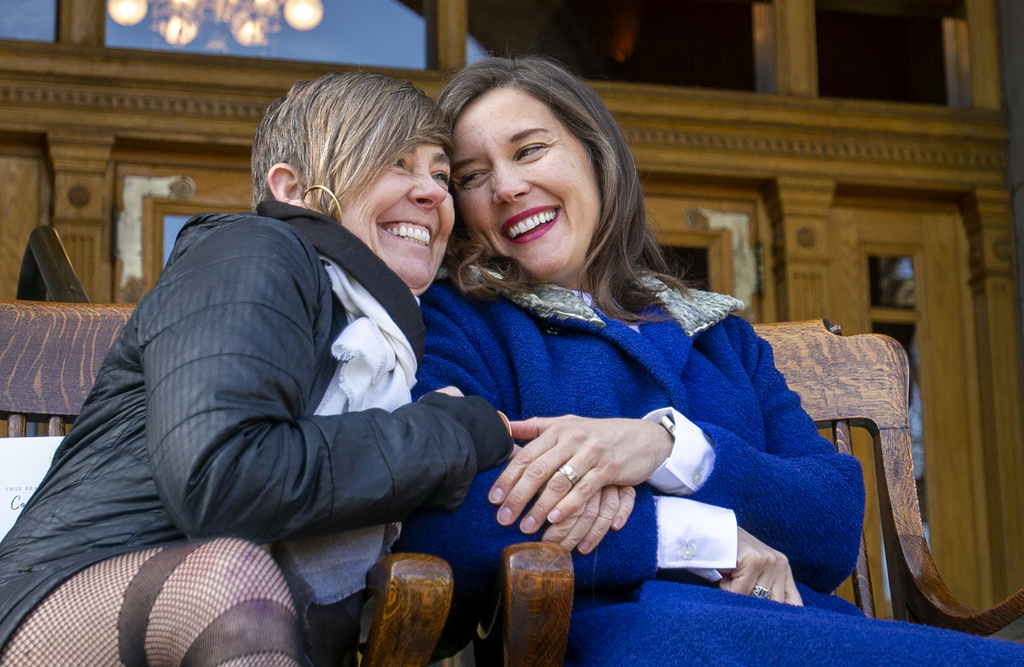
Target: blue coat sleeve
462	351
797	495
471	540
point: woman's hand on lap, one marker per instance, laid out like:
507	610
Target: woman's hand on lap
585	529
758	565
602	452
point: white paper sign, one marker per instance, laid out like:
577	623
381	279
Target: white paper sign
23	463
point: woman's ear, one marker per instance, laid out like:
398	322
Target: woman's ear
284	185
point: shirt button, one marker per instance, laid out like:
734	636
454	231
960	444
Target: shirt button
698	477
686	552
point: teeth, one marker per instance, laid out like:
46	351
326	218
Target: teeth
533	221
417	234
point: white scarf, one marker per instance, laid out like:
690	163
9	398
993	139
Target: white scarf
376	369
376	364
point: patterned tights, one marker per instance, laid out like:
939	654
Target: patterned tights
222	602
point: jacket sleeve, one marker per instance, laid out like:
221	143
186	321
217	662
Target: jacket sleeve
797	494
462	351
471	540
229	354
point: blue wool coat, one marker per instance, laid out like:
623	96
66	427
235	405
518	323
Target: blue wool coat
550	354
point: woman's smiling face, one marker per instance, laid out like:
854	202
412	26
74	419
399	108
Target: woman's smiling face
406	216
525	184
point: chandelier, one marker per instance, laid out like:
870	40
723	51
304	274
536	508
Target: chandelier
250	21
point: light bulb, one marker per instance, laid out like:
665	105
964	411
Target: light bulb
303	14
127	12
179	31
248	32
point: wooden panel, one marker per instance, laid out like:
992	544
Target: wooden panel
20	213
87	250
933	236
987	219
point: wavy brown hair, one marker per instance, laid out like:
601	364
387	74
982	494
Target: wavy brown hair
624	250
342	130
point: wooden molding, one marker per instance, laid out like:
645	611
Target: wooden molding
129	101
867	149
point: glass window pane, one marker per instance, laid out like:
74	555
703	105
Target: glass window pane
892	282
881	57
30	20
382	33
678	42
172	225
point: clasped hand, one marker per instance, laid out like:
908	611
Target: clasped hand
757	564
609	457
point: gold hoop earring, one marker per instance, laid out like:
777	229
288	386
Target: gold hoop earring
334	198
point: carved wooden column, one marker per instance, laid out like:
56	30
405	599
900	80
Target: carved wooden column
798	209
986	216
447	23
983	46
81	22
82	186
797	48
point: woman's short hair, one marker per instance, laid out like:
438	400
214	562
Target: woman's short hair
342	130
624	250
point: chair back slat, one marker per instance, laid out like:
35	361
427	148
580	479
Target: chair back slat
49	356
863	595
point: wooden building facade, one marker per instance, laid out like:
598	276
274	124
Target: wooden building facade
803	197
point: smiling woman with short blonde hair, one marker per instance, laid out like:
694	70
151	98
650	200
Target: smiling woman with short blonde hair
260	393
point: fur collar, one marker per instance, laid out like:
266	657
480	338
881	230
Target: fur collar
695	312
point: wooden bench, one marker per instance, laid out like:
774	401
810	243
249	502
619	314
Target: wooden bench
49	356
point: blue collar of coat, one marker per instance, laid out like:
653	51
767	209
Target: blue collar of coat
695	311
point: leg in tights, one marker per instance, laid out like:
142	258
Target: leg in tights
222	602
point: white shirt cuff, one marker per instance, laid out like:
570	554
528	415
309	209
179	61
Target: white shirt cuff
696	536
692	459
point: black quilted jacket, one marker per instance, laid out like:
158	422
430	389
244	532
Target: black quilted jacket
201	420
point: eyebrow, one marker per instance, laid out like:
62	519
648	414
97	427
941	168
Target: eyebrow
514	139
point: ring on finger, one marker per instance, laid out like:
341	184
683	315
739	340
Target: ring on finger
761	592
569	473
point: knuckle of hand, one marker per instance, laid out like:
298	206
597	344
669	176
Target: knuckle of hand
516	499
559	484
585	488
537	471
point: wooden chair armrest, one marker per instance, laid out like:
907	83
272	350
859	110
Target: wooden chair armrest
917	589
537	585
413	593
930	601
